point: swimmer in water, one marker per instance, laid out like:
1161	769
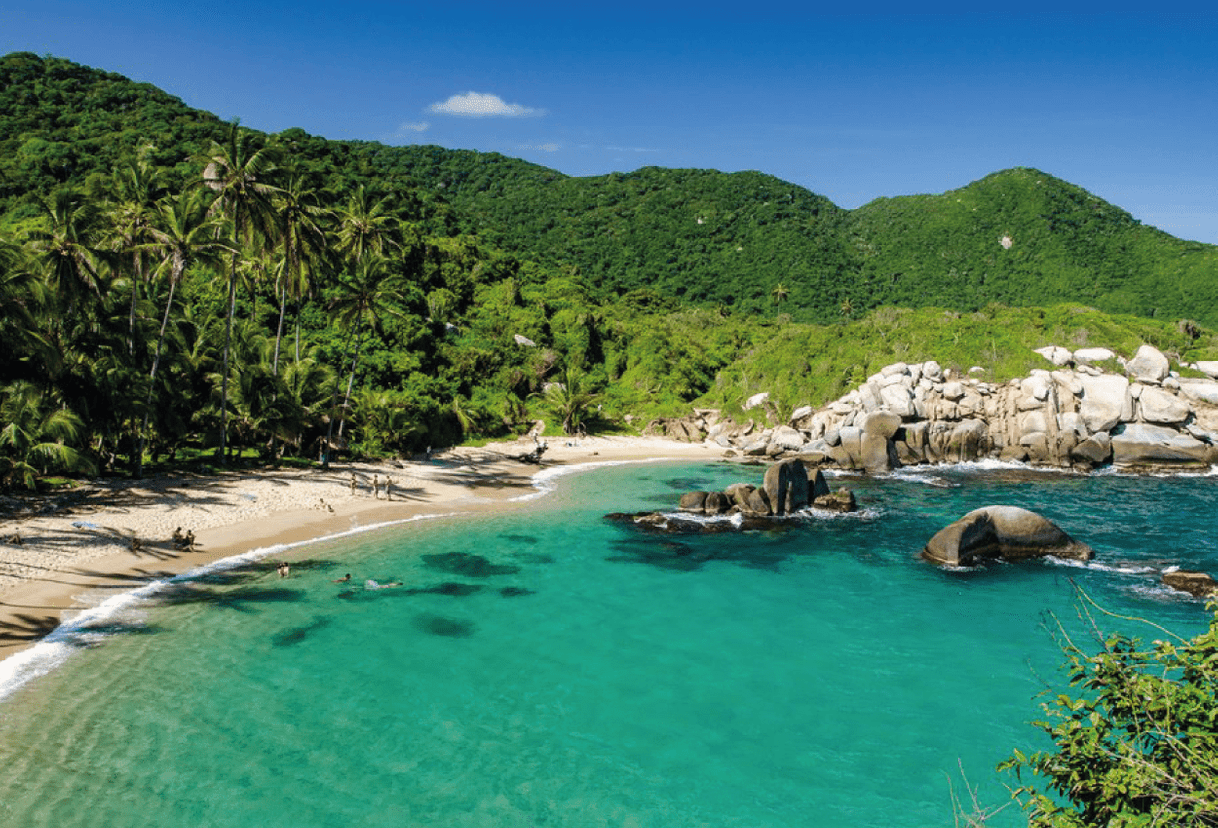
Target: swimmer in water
371	584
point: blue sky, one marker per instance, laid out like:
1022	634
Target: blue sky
851	106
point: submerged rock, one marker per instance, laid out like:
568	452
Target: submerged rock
1002	533
1199	584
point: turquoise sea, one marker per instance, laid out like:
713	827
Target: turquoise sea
546	667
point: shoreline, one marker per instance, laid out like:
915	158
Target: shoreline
72	561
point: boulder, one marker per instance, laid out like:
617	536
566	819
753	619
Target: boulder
819	486
786	486
1106	401
1199	390
1058	356
1148	365
1004	533
758	503
739	494
1141	444
1158	406
1089	355
756	400
1207	367
1199	584
785	438
717	503
693	502
840	501
881	423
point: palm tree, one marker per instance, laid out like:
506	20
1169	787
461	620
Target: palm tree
780	293
23	298
847	308
364	228
65	248
303	246
240	176
569	400
135	190
184	233
35	436
369	295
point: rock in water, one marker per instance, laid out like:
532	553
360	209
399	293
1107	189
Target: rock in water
1195	583
1001	532
786	483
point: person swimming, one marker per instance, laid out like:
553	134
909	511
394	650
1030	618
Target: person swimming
371	584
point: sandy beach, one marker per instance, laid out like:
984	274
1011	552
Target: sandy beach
76	556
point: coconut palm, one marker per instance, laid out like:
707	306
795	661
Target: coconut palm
367	296
570	400
240	174
365	228
66	250
129	215
780	293
36	436
303	247
183	234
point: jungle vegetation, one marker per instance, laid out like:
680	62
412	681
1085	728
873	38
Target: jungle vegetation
176	287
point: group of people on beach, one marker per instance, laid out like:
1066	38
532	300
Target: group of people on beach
376	486
184	542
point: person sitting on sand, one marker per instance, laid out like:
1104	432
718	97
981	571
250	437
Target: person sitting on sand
188	541
343	579
136	543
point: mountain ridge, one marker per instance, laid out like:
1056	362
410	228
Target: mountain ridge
745	241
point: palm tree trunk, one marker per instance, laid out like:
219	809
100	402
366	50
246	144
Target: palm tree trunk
283	306
350	381
228	339
325	449
156	362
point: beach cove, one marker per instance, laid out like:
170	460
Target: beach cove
84	551
542	666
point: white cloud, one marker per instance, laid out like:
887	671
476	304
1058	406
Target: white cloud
550	147
422	126
481	105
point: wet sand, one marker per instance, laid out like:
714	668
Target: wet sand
74	558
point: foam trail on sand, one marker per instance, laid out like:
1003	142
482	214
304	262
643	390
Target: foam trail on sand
79	629
544	480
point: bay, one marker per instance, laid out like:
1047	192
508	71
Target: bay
547	667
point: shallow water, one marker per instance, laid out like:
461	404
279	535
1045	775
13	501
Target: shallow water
552	668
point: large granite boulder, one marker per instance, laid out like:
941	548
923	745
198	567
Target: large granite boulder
1148	365
1003	533
1199	584
1142	444
786	485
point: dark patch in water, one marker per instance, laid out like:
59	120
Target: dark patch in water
688	484
452	589
534	557
467	564
514	592
291	637
519	538
447	627
240	599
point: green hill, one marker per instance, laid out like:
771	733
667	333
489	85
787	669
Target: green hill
745	241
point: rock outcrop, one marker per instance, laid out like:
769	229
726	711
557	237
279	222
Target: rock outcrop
1199	584
1001	533
1072	416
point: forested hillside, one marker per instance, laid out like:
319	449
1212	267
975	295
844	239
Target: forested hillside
171	284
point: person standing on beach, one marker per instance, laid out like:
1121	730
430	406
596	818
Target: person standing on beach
353	483
388	487
376	487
